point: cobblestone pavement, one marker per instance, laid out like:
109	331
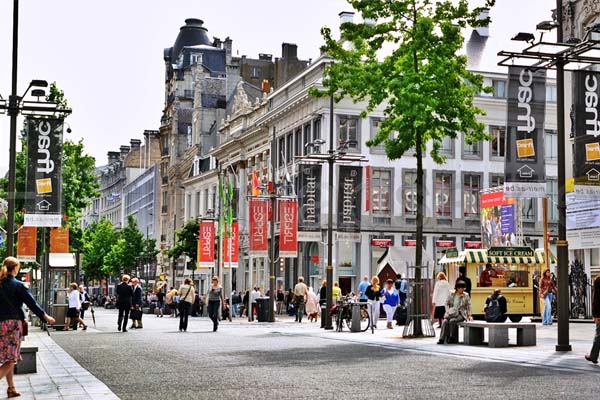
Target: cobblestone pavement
253	361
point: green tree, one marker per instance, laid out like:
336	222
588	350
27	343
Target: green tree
405	56
133	245
113	260
187	241
98	239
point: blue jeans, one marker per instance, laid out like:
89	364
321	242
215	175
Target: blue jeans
547	314
235	310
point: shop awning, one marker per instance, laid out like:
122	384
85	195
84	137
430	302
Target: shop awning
537	259
453	260
476	256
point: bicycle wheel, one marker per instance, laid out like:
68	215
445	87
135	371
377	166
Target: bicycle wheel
365	322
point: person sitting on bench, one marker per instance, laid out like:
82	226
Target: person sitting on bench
495	307
458	308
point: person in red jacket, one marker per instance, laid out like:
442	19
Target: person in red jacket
593	356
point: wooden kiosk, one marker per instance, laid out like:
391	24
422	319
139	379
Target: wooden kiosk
513	269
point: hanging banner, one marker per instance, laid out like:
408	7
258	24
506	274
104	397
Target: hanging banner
288	228
368	188
524	167
27	244
206	245
258	214
231	246
59	240
309	197
586	156
497	219
349	195
43	197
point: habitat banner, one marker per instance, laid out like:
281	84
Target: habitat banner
231	246
288	228
43	191
349	198
524	167
206	245
259	210
586	166
309	197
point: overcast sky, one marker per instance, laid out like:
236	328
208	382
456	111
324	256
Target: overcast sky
107	55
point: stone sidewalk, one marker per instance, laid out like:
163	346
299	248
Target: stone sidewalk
58	375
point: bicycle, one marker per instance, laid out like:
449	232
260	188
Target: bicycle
342	312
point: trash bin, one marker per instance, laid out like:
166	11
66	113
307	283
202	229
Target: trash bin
355	325
262	312
59	311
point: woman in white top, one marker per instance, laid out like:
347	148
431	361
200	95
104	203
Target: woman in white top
187	295
441	291
74	307
312	305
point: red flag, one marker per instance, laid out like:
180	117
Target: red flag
235	247
259	210
288	231
206	245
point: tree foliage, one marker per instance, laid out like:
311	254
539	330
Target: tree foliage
187	240
406	58
133	245
98	239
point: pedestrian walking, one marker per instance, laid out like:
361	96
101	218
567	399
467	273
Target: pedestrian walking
84	298
160	303
136	304
336	291
593	356
73	311
458	310
187	295
255	294
280	300
13	323
300	293
312	305
441	291
373	295
547	291
391	299
401	286
246	306
236	300
289	301
362	288
215	300
124	295
323	301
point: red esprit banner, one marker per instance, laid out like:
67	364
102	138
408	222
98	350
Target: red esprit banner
232	243
206	245
288	228
258	213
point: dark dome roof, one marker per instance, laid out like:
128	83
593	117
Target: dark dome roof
191	34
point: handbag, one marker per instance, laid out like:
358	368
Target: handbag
180	305
136	314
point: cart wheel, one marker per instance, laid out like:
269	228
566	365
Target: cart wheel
515	318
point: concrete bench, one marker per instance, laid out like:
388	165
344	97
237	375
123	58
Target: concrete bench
28	365
498	333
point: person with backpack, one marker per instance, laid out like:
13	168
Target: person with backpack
495	307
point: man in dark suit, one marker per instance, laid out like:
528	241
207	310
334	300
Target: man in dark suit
136	301
124	295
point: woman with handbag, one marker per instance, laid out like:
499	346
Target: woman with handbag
215	299
13	326
187	295
547	291
73	311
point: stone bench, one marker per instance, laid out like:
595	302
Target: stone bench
28	365
498	333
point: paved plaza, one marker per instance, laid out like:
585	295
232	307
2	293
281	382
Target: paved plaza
255	360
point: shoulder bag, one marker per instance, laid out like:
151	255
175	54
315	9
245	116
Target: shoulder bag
180	305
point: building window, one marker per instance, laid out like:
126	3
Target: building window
306	140
496	180
595	257
471	188
409	192
298	142
348	131
255	72
552	192
551	145
528	209
551	93
281	151
443	194
196	59
498	142
471	150
375	126
499	88
447	148
316	130
289	148
380	191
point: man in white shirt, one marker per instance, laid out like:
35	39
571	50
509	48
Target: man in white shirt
255	294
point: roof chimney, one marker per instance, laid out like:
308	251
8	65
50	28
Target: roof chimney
124	150
483	31
113	156
289	51
135	143
346	16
